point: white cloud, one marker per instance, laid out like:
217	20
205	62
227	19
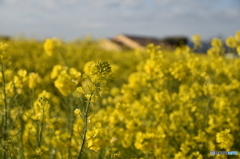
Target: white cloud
105	17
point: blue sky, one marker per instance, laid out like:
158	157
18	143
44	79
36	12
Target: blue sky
70	19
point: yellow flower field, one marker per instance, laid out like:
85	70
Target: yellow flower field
62	100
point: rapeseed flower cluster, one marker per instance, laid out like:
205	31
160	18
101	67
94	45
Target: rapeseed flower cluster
67	79
51	45
216	47
197	41
225	139
233	42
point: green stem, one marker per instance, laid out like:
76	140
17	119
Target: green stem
41	129
85	120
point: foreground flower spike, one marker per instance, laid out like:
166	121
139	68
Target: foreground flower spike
103	67
93	86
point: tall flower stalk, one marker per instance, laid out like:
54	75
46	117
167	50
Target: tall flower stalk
94	86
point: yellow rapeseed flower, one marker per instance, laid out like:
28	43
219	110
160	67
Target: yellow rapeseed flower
78	92
238	50
214	51
225	139
38	151
34	79
237	36
67	79
216	42
64	84
77	111
3	55
197	40
56	70
50	45
88	66
3	46
10	89
231	42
